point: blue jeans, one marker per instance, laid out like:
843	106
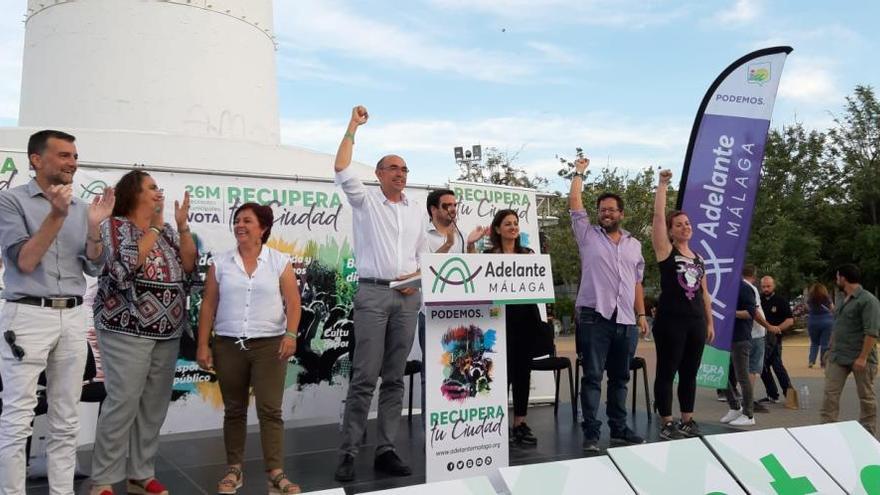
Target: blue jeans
609	347
819	327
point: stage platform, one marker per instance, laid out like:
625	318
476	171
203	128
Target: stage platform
193	463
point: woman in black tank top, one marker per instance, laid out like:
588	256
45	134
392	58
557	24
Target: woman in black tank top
683	325
522	327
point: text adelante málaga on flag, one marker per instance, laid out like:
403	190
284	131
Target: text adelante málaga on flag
720	181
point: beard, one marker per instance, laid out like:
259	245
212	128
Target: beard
610	227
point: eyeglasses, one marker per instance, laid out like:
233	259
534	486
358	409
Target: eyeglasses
609	210
17	351
395	169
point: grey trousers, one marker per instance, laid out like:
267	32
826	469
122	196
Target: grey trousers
739	368
138	375
384	329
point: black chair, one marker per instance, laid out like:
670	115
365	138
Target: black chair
545	346
413	367
637	363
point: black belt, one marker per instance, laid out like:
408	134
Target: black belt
51	302
374	281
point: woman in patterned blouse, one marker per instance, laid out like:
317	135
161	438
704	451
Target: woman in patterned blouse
140	314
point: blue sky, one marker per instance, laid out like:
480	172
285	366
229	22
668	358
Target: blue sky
622	79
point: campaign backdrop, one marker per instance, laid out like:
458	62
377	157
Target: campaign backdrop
312	226
719	185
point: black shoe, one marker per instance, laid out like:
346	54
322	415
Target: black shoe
345	471
626	437
389	463
767	400
690	429
591	446
670	431
522	435
760	408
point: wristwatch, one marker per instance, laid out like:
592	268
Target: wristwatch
579	174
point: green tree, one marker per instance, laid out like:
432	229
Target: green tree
855	144
499	169
798	184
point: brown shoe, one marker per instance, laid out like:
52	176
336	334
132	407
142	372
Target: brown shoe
280	485
231	482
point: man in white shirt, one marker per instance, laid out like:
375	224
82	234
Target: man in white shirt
389	233
444	236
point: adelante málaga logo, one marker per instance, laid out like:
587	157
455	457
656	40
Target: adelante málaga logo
92	189
454	271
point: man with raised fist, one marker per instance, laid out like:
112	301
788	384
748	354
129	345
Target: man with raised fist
389	233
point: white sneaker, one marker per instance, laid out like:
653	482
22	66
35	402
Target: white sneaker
743	420
731	415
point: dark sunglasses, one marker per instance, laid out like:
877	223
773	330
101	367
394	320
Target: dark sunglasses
17	351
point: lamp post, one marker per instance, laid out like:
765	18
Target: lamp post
467	159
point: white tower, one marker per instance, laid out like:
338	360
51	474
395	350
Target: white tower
200	68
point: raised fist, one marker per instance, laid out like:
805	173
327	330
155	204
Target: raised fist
665	176
359	115
581	164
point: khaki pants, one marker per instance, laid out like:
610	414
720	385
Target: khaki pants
237	371
54	340
835	379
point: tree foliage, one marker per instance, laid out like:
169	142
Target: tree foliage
498	168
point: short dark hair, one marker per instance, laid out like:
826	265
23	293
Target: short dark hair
850	272
127	190
606	195
39	140
434	198
264	215
749	270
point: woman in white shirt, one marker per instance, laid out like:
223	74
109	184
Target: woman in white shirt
252	303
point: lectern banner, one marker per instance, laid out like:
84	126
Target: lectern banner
466	391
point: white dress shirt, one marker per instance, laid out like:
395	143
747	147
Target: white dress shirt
250	306
437	239
388	237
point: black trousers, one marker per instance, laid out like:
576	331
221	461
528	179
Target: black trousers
679	343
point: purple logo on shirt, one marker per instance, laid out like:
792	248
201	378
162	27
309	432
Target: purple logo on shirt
689	275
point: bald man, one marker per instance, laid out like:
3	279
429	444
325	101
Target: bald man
778	314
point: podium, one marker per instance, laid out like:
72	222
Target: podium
465	361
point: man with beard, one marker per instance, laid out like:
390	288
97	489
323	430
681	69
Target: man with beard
444	236
389	234
611	301
49	239
778	315
856	329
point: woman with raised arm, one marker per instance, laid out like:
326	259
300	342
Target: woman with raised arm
140	314
683	324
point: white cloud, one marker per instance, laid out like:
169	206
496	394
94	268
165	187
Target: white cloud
538	139
810	81
553	53
613	13
329	26
742	11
